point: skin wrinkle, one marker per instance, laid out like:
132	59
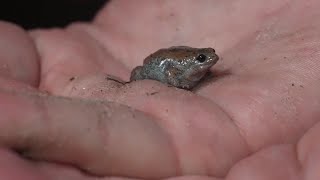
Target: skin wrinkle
44	119
234	122
42	57
39	55
90	32
22	66
180	169
74	50
238	127
42	115
102	131
306	146
169	135
249	151
9	159
299	163
177	160
168	127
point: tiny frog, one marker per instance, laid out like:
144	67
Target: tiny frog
179	66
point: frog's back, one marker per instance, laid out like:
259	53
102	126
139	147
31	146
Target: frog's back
173	53
155	58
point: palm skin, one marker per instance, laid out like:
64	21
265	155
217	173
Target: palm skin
256	119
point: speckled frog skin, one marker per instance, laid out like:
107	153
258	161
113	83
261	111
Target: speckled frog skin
179	66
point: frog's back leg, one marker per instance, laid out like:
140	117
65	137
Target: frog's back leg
136	74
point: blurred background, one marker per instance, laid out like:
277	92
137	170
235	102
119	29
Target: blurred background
48	13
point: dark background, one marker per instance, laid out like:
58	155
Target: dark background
48	13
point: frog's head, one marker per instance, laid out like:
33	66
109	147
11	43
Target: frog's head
183	66
196	62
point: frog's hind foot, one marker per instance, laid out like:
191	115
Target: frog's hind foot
136	74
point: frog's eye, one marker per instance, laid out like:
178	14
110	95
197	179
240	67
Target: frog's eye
201	58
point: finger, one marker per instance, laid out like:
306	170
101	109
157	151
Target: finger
308	150
286	161
18	56
15	168
277	162
98	137
60	172
194	178
70	53
205	138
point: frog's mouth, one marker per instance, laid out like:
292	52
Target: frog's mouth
202	69
207	65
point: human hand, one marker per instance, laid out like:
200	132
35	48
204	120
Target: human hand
256	119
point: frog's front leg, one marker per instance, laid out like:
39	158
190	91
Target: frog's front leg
173	76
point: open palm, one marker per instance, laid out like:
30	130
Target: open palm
256	118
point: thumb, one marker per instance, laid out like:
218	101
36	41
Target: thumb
101	138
